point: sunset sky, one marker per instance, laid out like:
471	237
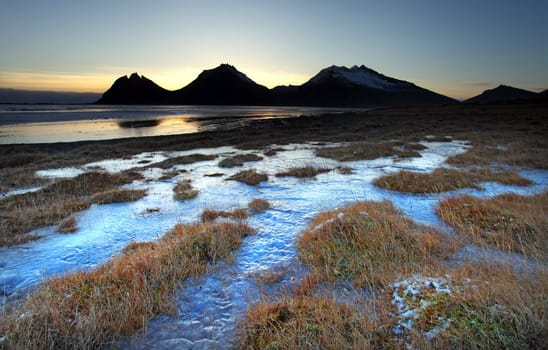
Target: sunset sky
458	48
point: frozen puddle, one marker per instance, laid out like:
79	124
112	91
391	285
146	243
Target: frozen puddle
208	309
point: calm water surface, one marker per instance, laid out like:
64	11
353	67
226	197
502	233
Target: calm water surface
67	123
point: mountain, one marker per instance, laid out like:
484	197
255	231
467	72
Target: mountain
502	93
50	97
135	89
356	87
224	85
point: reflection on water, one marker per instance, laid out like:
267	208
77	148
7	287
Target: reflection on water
124	124
67	123
91	130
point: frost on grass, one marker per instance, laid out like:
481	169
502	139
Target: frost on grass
415	299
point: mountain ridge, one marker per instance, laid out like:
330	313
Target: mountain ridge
334	86
503	93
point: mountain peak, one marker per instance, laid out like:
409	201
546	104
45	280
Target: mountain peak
501	93
359	76
135	76
225	69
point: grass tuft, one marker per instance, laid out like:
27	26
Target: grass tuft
306	323
258	205
183	191
250	177
89	309
508	222
303	172
68	225
118	196
443	179
192	158
368	243
22	213
210	215
239	160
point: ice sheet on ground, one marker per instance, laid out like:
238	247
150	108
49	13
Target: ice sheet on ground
208	308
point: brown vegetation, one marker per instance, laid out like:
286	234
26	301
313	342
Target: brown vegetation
443	179
345	170
250	177
118	196
88	309
258	205
192	158
369	243
303	172
507	222
209	215
421	303
68	225
184	191
239	160
20	214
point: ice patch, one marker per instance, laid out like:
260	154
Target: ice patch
209	308
60	173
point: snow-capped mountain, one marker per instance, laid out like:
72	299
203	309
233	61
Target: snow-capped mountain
360	76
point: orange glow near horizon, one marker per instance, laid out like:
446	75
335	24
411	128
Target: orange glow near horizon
100	82
177	78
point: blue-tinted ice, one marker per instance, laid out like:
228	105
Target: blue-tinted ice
208	309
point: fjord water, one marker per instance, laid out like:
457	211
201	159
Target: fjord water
68	123
207	309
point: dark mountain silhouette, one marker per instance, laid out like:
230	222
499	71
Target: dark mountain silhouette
225	85
135	89
502	93
356	87
543	95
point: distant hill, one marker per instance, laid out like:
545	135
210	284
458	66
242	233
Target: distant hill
225	85
135	89
502	93
53	97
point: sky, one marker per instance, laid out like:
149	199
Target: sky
457	48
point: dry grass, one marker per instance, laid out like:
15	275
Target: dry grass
345	170
87	310
509	222
487	307
239	160
369	150
118	196
369	243
303	172
522	152
22	213
171	174
258	205
443	179
184	191
250	177
358	151
432	305
210	215
306	323
68	225
192	158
